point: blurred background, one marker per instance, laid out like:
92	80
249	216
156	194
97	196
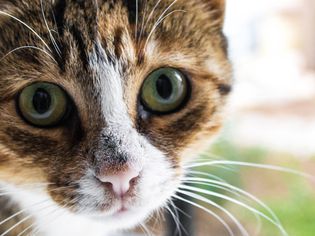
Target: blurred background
271	118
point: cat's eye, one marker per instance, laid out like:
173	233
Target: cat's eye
43	104
165	90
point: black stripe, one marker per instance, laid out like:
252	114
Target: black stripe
59	18
131	6
79	39
59	12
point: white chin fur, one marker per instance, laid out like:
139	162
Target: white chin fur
51	219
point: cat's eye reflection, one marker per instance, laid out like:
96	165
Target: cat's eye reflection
165	90
43	104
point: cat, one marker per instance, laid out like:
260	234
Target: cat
102	103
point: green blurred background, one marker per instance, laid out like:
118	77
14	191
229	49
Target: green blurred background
290	196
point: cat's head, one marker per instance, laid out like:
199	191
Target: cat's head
105	101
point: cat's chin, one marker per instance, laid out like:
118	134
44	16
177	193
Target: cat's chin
122	219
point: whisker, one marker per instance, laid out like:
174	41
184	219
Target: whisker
27	26
253	165
33	224
243	192
29	47
22	211
55	23
37	229
212	203
49	31
160	217
206	175
180	210
213	185
146	230
142	22
137	19
204	160
22	221
252	197
220	219
143	26
175	216
251	209
158	23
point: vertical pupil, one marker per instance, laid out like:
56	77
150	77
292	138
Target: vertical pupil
41	101
164	87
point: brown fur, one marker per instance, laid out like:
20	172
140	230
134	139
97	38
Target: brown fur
190	39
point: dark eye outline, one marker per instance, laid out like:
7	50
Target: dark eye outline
145	108
66	116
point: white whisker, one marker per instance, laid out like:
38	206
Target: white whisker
23	220
206	175
248	195
180	210
251	209
213	185
254	165
142	22
176	220
158	23
27	26
36	229
146	230
28	47
225	225
179	225
229	214
137	19
49	31
143	26
22	211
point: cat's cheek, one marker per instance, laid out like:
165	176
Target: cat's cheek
159	182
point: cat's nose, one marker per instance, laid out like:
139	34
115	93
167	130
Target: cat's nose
120	182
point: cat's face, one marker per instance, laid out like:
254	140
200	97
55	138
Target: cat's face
106	100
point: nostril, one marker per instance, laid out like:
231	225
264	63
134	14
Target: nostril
134	180
121	182
108	185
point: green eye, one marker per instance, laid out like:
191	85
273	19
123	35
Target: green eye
43	104
165	90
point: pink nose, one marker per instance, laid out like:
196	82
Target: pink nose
121	182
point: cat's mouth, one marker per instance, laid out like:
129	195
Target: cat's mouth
121	209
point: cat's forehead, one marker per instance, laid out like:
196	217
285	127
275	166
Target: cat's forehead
127	29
